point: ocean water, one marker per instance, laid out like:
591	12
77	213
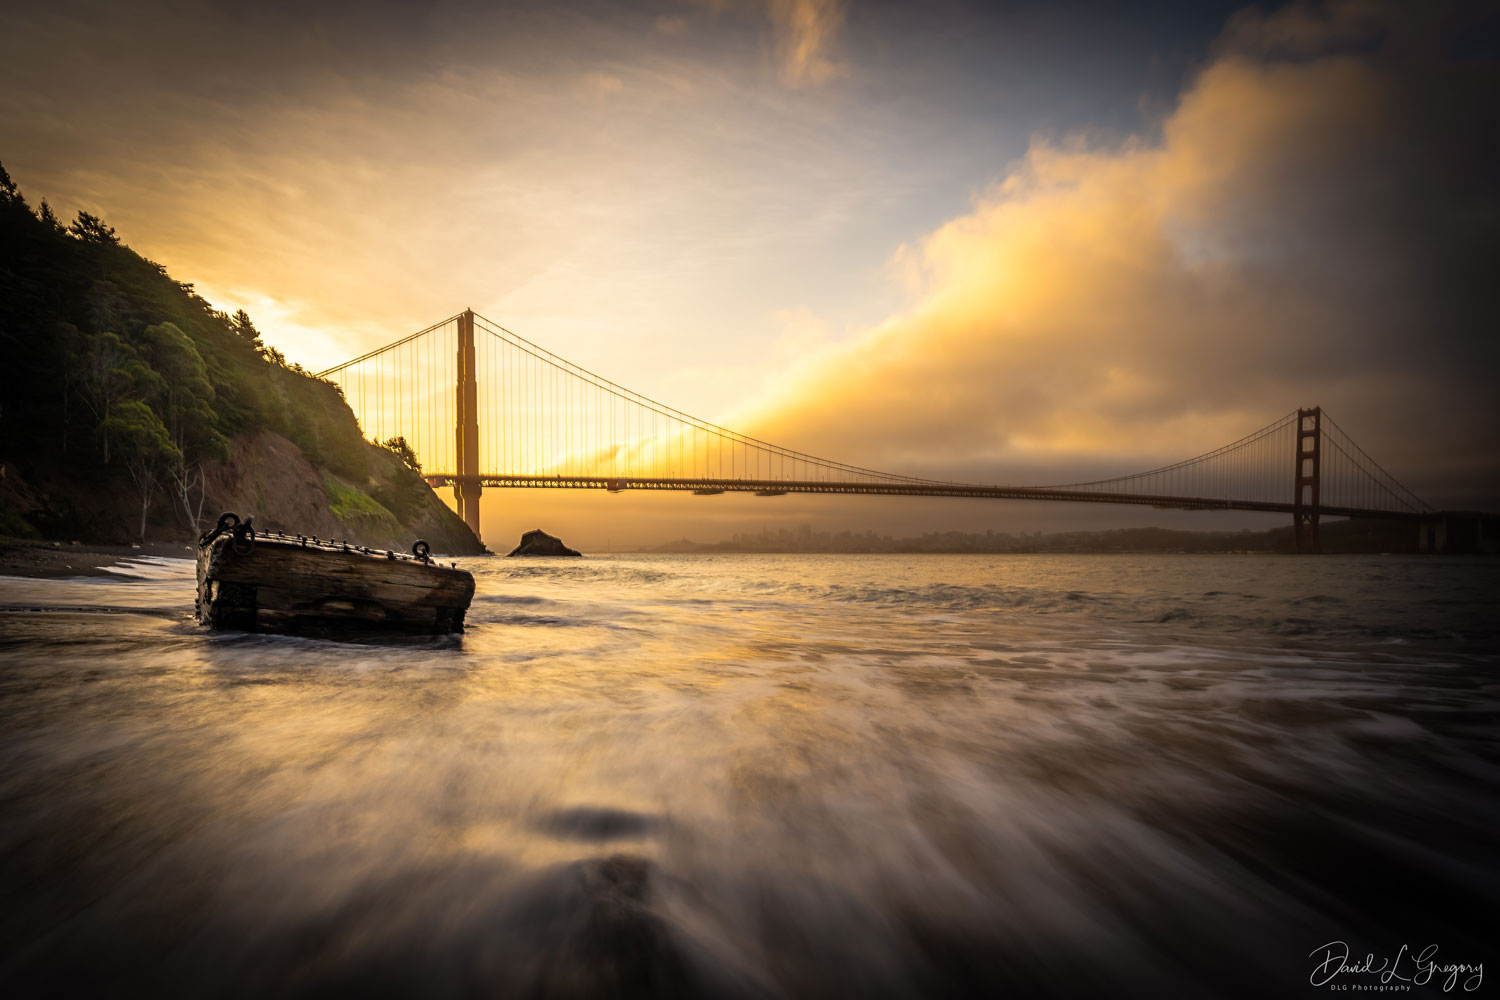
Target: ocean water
763	776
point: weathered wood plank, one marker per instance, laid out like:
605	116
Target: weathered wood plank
290	560
316	584
344	605
402	598
284	586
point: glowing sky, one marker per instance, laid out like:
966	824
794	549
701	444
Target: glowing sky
1004	243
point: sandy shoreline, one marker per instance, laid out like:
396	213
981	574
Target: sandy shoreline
26	557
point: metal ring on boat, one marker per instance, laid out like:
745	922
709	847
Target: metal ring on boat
227	522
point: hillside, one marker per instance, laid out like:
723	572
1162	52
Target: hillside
130	409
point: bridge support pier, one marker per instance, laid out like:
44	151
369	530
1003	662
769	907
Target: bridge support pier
1307	501
466	486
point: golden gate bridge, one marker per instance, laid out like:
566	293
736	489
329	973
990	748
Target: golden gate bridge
482	406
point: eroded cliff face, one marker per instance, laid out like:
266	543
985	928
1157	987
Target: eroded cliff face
267	477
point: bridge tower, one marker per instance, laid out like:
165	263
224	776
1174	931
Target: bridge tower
1309	463
466	486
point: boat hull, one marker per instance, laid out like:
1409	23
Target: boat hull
287	584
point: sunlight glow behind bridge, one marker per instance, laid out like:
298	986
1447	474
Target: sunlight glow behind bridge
482	406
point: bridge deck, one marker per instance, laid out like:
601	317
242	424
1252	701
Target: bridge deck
915	489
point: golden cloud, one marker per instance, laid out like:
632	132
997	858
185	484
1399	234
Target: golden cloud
1168	294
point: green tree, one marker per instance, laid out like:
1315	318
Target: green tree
405	492
146	446
186	409
76	306
73	345
403	451
107	307
110	373
245	330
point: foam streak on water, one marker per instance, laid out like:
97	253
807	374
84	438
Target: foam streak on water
759	776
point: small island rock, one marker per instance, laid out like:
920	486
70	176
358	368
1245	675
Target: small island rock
538	543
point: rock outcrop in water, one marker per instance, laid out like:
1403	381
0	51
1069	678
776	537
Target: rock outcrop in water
537	542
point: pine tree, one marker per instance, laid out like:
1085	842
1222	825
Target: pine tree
91	229
48	217
241	325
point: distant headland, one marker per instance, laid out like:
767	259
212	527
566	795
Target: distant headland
1339	536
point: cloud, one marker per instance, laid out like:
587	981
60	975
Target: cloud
1306	228
805	32
602	84
1311	222
551	167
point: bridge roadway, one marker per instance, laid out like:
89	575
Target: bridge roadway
775	487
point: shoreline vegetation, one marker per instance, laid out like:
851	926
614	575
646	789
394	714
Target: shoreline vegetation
131	410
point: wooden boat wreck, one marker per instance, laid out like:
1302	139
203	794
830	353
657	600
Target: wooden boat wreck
271	581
